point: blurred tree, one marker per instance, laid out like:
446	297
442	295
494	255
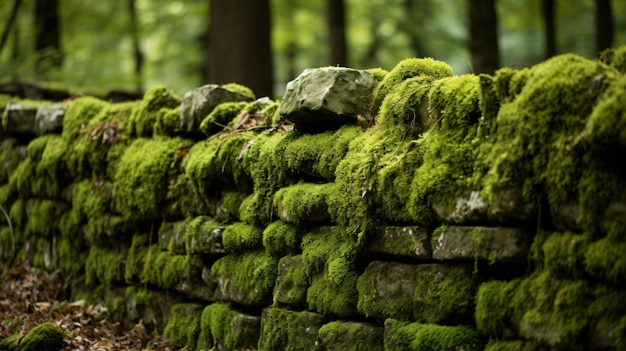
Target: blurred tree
9	24
137	53
550	27
240	45
483	41
47	36
604	25
416	13
337	32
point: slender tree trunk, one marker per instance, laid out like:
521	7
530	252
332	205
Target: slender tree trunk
292	46
549	20
47	36
10	23
413	25
371	54
336	15
483	41
137	53
604	25
239	38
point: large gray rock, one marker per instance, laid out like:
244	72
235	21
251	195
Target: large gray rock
495	244
49	119
326	98
19	118
198	103
406	241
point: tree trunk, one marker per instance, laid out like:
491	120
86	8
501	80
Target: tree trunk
604	25
549	20
413	25
10	23
483	41
240	47
336	16
47	36
137	53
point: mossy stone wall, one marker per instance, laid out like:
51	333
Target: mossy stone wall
449	213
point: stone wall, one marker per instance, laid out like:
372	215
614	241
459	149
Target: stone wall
368	210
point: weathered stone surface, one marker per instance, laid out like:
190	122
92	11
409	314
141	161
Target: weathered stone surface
495	244
508	207
193	282
224	328
431	293
183	327
568	215
172	237
406	241
291	284
198	103
148	306
204	236
326	98
49	119
400	335
246	278
288	330
339	336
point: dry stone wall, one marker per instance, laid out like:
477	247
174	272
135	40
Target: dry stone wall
368	210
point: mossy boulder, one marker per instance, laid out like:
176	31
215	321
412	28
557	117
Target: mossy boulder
44	337
405	241
200	102
224	327
289	330
183	327
292	283
328	97
401	335
351	336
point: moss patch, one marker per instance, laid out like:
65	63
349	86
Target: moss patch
183	328
222	117
155	103
222	326
350	336
241	237
44	337
430	337
281	238
303	202
290	331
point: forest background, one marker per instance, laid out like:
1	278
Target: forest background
95	47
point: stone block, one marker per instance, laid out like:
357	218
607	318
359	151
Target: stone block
172	237
339	336
405	241
183	327
198	103
400	335
195	283
291	283
326	98
289	330
432	293
495	244
225	328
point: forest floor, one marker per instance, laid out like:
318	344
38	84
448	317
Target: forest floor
29	297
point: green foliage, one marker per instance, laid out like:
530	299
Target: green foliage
222	117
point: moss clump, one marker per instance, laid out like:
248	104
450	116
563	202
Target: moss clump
11	154
44	337
290	331
515	345
615	57
378	73
93	151
349	336
241	237
222	117
183	327
104	266
79	113
422	337
329	260
167	122
408	68
303	202
604	259
292	283
281	239
606	127
43	218
142	176
224	327
155	103
564	253
241	89
251	273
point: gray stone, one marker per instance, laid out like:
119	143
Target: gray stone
291	283
172	237
406	241
49	119
236	330
283	329
205	237
341	336
326	98
198	103
509	206
495	244
18	118
400	335
148	306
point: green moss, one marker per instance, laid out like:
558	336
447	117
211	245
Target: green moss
167	122
183	327
493	313
253	273
292	283
303	202
104	266
241	89
10	156
79	113
565	253
378	73
44	337
430	337
515	345
604	259
221	117
348	336
43	218
141	179
289	331
257	113
615	57
231	201
94	150
155	103
241	237
606	125
10	343
408	68
222	325
281	239
17	213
